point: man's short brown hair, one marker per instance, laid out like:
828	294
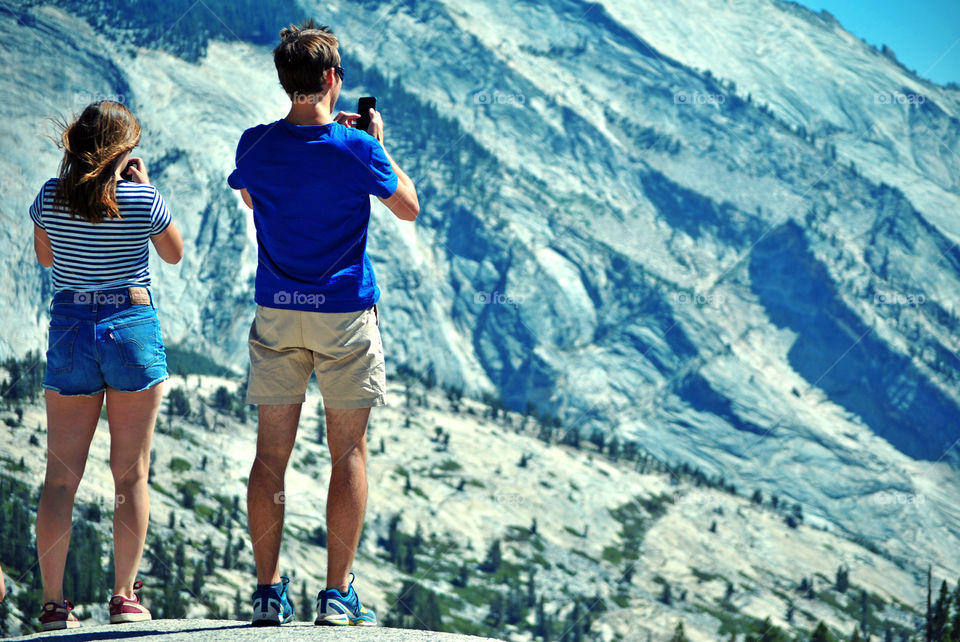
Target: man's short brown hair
302	57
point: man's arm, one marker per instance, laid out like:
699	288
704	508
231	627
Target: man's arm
403	202
245	195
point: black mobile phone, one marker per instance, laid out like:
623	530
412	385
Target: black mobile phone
364	105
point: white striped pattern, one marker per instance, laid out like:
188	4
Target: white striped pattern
111	254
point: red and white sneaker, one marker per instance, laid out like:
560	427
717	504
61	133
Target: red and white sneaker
55	617
123	609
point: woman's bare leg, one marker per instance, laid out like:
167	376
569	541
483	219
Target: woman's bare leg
71	424
132	416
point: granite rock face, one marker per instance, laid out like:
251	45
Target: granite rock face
695	233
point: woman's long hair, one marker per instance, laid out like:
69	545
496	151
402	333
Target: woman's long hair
92	146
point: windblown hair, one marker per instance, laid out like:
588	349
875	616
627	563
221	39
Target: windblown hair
92	146
302	57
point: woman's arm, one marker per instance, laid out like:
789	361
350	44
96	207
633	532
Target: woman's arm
169	244
41	245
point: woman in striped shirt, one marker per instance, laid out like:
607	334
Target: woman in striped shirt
94	228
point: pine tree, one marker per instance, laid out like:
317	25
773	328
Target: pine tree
514	610
540	628
209	556
597	439
306	608
940	614
613	449
843	579
180	559
864	612
495	616
955	622
197	587
228	551
159	560
531	586
665	595
571	437
410	559
678	634
491	564
822	634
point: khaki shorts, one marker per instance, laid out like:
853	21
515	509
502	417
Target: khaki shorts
344	349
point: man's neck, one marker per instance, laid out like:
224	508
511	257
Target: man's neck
306	112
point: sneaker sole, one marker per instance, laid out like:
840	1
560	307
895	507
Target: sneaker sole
333	620
130	617
59	626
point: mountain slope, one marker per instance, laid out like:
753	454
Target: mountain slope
608	234
589	536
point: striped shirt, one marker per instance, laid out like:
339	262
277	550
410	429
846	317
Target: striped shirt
111	254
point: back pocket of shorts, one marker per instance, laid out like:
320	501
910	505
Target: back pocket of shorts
60	347
138	343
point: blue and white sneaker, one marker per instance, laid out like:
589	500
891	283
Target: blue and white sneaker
271	604
336	609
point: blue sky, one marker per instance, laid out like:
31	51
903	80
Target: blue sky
919	32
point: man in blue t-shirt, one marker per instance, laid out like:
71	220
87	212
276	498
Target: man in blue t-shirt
308	179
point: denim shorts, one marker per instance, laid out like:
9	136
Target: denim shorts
100	340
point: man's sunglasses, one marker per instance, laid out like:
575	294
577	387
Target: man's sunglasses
339	72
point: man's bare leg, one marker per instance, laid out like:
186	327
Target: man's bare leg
276	435
347	496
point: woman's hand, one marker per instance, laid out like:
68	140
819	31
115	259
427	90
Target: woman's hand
136	170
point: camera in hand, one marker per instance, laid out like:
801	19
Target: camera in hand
364	105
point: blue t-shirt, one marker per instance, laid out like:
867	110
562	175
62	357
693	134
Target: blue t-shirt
311	188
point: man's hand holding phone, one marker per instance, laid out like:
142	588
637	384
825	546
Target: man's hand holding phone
375	128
